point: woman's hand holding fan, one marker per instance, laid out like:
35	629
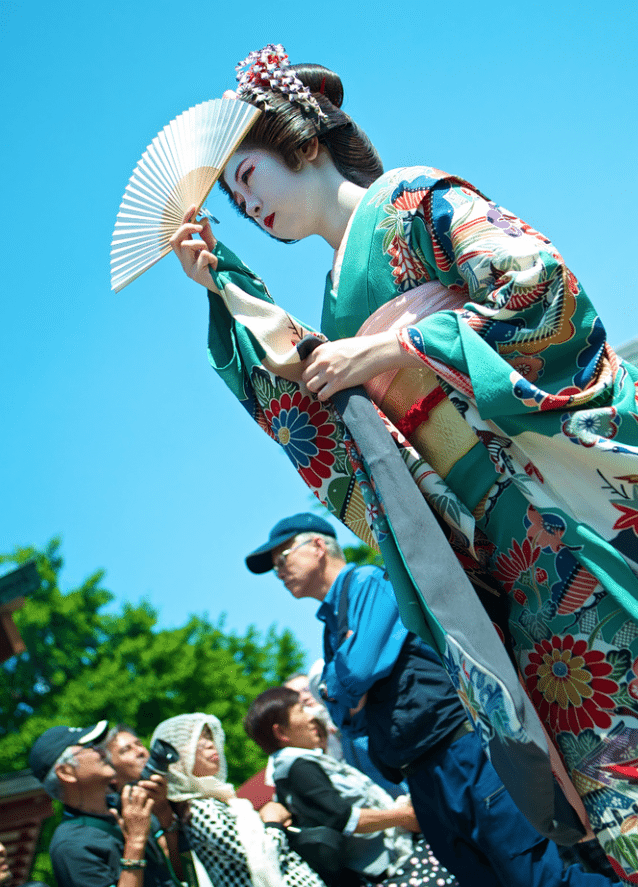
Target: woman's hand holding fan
196	256
169	185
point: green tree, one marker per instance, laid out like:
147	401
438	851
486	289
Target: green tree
83	665
362	554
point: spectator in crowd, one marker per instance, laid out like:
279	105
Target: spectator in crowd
300	682
128	755
417	728
237	846
5	872
321	791
354	741
95	846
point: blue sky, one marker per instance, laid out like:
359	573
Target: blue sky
116	433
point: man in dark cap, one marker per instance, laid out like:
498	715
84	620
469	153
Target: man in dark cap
378	674
94	846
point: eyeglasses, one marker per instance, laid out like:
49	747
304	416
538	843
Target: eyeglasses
280	561
69	756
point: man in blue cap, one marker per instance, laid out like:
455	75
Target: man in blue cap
92	846
379	675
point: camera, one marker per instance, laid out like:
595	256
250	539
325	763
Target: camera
162	754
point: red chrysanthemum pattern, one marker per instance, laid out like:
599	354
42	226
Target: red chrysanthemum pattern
529	367
570	685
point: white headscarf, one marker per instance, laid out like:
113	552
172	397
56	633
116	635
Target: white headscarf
184	732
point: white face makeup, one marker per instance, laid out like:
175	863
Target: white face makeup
276	197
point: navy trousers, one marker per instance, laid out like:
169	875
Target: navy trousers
476	830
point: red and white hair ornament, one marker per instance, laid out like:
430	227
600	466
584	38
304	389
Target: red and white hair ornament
268	71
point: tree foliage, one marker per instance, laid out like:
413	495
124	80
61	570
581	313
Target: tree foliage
362	554
83	664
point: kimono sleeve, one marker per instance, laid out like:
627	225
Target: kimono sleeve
528	337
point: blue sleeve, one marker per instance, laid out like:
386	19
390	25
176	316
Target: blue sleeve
372	649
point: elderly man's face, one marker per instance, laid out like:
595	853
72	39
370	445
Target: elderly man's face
297	564
128	756
5	874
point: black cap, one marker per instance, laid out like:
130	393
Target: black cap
260	561
48	748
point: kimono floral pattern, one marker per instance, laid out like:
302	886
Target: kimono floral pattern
550	402
525	363
306	432
570	684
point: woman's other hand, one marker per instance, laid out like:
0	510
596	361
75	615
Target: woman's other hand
272	811
195	255
333	366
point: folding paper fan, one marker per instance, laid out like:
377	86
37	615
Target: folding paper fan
178	168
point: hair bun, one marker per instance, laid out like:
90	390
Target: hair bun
321	80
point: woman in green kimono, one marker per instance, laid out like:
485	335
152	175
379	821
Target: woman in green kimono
485	352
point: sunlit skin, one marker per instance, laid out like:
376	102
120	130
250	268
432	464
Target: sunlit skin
206	756
316	199
128	756
300	731
303	570
85	781
207	764
87	778
91	769
309	571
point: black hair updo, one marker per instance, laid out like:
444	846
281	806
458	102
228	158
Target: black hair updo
284	127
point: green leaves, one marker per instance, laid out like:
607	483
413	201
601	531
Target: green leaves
82	665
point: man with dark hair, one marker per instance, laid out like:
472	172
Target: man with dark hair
128	756
377	671
321	791
93	846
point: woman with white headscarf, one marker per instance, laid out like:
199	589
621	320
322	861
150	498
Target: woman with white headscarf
235	846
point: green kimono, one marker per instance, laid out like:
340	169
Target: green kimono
542	496
552	480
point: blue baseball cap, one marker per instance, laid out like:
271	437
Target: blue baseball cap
260	560
48	748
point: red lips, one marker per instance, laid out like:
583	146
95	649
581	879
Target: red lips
268	221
